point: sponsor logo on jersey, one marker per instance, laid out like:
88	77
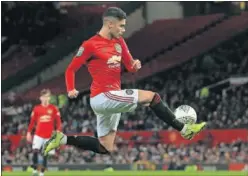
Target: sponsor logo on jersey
45	118
114	61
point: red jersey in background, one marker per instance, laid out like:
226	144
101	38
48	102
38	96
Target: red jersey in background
103	58
45	117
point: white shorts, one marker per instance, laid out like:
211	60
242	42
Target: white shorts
108	107
39	142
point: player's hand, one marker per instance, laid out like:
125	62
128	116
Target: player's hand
29	137
137	64
73	93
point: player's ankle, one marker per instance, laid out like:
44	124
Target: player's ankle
183	131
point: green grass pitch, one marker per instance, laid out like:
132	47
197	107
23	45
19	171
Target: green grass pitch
132	173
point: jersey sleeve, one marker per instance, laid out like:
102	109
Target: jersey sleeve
83	54
127	58
32	120
57	118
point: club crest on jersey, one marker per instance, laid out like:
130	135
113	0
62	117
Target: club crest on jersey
80	51
49	111
118	48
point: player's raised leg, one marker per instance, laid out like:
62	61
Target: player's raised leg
107	125
82	142
107	107
102	145
162	111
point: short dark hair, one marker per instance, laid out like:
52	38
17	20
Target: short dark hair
115	12
45	92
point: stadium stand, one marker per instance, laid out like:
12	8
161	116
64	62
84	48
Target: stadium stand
183	52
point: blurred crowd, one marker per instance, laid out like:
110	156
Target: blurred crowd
42	26
125	153
31	19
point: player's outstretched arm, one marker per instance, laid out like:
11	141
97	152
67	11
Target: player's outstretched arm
132	65
83	54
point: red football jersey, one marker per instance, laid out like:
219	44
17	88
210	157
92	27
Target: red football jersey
44	118
103	58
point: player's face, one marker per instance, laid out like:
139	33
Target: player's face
117	28
45	98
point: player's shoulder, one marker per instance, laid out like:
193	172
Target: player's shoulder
94	38
36	107
91	40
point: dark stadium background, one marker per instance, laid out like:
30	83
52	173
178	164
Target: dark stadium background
193	53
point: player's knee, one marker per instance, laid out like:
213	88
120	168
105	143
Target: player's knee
107	146
156	97
146	97
155	100
107	141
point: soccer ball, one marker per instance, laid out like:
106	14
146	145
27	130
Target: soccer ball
186	114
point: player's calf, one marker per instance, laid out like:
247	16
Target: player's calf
82	142
160	108
162	111
87	143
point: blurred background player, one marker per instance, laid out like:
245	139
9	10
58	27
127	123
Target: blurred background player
104	54
44	116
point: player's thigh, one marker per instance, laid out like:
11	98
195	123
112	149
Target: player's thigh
107	125
145	97
38	142
115	101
